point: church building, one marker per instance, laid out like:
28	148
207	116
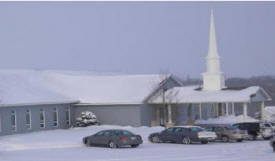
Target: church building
33	100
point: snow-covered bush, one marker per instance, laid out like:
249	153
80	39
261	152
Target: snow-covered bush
86	118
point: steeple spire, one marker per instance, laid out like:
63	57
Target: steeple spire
213	79
212	50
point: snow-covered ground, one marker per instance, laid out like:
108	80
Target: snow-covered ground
66	145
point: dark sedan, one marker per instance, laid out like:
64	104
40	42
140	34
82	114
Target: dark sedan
184	135
113	139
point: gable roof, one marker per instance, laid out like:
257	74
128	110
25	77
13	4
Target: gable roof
32	86
193	94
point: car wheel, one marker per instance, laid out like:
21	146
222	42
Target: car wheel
112	145
225	139
204	142
134	146
85	141
155	139
186	140
239	140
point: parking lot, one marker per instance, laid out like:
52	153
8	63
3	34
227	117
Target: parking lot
66	145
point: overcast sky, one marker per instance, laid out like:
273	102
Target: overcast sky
137	37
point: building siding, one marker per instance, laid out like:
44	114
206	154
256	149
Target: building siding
114	114
5	116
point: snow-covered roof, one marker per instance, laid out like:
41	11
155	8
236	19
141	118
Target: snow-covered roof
36	86
192	94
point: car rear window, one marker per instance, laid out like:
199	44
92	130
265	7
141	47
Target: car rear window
126	133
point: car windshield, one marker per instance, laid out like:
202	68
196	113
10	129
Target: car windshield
196	129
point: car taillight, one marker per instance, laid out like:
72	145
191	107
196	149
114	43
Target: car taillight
123	138
234	132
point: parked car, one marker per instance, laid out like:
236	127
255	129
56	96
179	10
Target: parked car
226	133
272	143
113	139
183	134
253	128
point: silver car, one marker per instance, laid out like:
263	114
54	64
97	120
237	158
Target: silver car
226	133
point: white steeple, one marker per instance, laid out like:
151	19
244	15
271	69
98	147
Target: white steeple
213	79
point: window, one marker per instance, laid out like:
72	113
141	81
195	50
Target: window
170	130
68	118
178	130
28	119
42	118
13	120
107	133
55	117
100	133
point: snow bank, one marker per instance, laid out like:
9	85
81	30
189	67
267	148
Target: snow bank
66	145
66	138
231	119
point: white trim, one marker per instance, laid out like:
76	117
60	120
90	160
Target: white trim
200	114
268	96
262	110
169	114
226	109
245	111
233	108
